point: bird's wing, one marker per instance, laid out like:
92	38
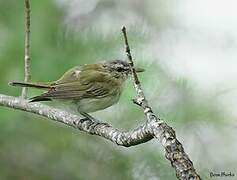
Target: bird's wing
70	76
87	84
77	73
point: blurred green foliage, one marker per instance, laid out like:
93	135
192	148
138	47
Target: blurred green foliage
34	148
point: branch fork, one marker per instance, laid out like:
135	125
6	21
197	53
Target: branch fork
160	130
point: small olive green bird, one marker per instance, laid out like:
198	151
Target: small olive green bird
91	87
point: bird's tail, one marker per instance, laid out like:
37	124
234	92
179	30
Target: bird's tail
34	85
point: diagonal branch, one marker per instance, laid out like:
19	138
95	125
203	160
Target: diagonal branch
164	133
27	47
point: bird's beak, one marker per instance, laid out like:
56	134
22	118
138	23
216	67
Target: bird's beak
138	70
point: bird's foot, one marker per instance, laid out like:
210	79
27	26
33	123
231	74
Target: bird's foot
87	116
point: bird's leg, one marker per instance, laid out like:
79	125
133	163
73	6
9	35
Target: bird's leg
87	116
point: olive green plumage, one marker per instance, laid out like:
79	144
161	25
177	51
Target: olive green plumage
91	87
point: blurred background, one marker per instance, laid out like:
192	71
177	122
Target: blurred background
189	51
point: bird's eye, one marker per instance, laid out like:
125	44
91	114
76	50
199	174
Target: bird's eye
119	69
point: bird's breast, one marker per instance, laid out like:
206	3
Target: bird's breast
95	104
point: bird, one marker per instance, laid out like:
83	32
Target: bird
92	87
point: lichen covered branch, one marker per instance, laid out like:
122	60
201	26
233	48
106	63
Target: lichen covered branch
27	47
129	138
174	150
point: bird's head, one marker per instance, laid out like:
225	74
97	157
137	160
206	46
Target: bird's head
120	68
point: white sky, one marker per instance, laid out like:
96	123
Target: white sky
203	43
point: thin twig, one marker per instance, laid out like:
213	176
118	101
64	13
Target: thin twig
173	148
27	47
140	100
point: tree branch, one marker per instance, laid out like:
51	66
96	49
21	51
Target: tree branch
130	138
27	47
164	133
